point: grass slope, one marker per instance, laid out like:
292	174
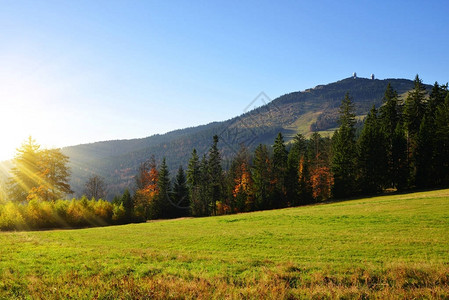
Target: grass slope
383	247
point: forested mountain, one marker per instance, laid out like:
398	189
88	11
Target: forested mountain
314	109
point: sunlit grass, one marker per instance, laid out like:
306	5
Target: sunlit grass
386	247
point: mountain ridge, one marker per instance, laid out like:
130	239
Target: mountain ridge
312	110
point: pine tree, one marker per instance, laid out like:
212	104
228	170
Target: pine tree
294	181
194	183
441	144
280	156
181	194
436	98
390	117
344	151
216	178
193	174
415	108
372	155
162	207
424	152
128	205
428	140
400	169
201	206
263	178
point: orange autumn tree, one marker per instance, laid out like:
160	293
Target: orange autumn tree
321	179
241	183
147	190
242	192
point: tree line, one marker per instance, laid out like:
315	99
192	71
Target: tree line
404	144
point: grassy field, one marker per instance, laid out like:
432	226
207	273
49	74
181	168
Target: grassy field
383	247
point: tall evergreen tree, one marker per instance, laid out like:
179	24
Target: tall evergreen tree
436	98
181	194
280	156
424	152
345	151
201	207
400	168
195	183
193	172
390	117
428	160
262	177
216	178
128	205
441	144
162	207
372	155
295	164
415	107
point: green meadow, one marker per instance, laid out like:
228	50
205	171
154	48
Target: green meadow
394	246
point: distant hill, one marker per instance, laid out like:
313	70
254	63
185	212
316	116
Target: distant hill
314	109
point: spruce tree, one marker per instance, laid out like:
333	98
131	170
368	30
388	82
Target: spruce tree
128	205
262	177
280	156
390	116
415	108
436	98
193	180
202	206
400	169
372	155
216	178
181	194
441	144
162	207
344	151
424	153
295	166
428	139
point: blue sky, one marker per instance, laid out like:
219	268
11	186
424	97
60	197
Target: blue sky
82	71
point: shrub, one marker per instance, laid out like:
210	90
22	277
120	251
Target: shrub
11	217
